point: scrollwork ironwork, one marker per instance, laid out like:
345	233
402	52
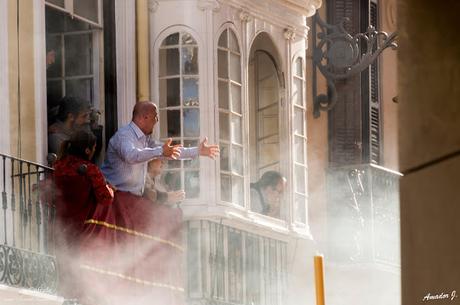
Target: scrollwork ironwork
338	55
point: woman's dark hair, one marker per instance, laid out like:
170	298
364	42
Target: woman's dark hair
270	178
78	143
73	105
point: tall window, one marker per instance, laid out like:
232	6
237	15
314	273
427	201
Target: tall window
300	141
230	118
179	108
73	70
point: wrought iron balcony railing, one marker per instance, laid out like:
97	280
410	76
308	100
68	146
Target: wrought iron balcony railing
26	225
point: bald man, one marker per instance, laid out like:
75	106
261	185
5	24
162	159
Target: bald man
132	146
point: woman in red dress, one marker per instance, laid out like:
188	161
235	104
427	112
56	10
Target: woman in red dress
82	193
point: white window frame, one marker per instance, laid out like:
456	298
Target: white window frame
69	8
231	173
302	107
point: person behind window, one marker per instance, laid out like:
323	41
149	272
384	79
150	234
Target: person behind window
157	192
266	194
73	114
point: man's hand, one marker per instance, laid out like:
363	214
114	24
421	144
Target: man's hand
175	197
211	151
171	151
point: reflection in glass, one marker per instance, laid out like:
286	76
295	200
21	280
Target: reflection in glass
237	159
169	92
193	163
192	122
299	207
190	92
237	129
223	95
171	126
192	184
188	39
225	188
297	93
87	9
78	55
299	149
298	68
233	42
237	190
223	39
82	88
172	180
171	40
299	121
236	98
235	68
224	157
224	125
222	67
169	62
190	60
300	179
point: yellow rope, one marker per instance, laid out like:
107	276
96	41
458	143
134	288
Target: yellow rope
132	279
129	231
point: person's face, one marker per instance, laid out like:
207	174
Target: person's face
274	193
82	118
156	167
150	120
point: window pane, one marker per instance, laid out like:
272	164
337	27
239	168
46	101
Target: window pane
78	55
236	98
82	88
54	21
299	68
224	126
194	163
299	149
191	122
188	39
223	39
300	179
222	69
299	121
236	129
54	48
237	190
237	159
172	180
54	94
233	42
224	157
235	68
192	184
56	2
87	9
223	95
190	60
190	92
169	92
170	123
297	92
169	62
225	188
299	208
171	40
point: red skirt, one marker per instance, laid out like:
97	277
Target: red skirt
131	253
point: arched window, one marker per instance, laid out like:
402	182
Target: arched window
300	141
179	107
230	118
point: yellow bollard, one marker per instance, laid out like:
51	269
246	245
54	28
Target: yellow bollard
319	279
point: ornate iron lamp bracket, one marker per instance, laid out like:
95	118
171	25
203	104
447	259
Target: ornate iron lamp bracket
339	55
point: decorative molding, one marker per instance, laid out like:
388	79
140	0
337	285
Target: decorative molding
153	6
245	16
208	5
289	33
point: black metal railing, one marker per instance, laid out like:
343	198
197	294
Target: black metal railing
363	214
26	225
